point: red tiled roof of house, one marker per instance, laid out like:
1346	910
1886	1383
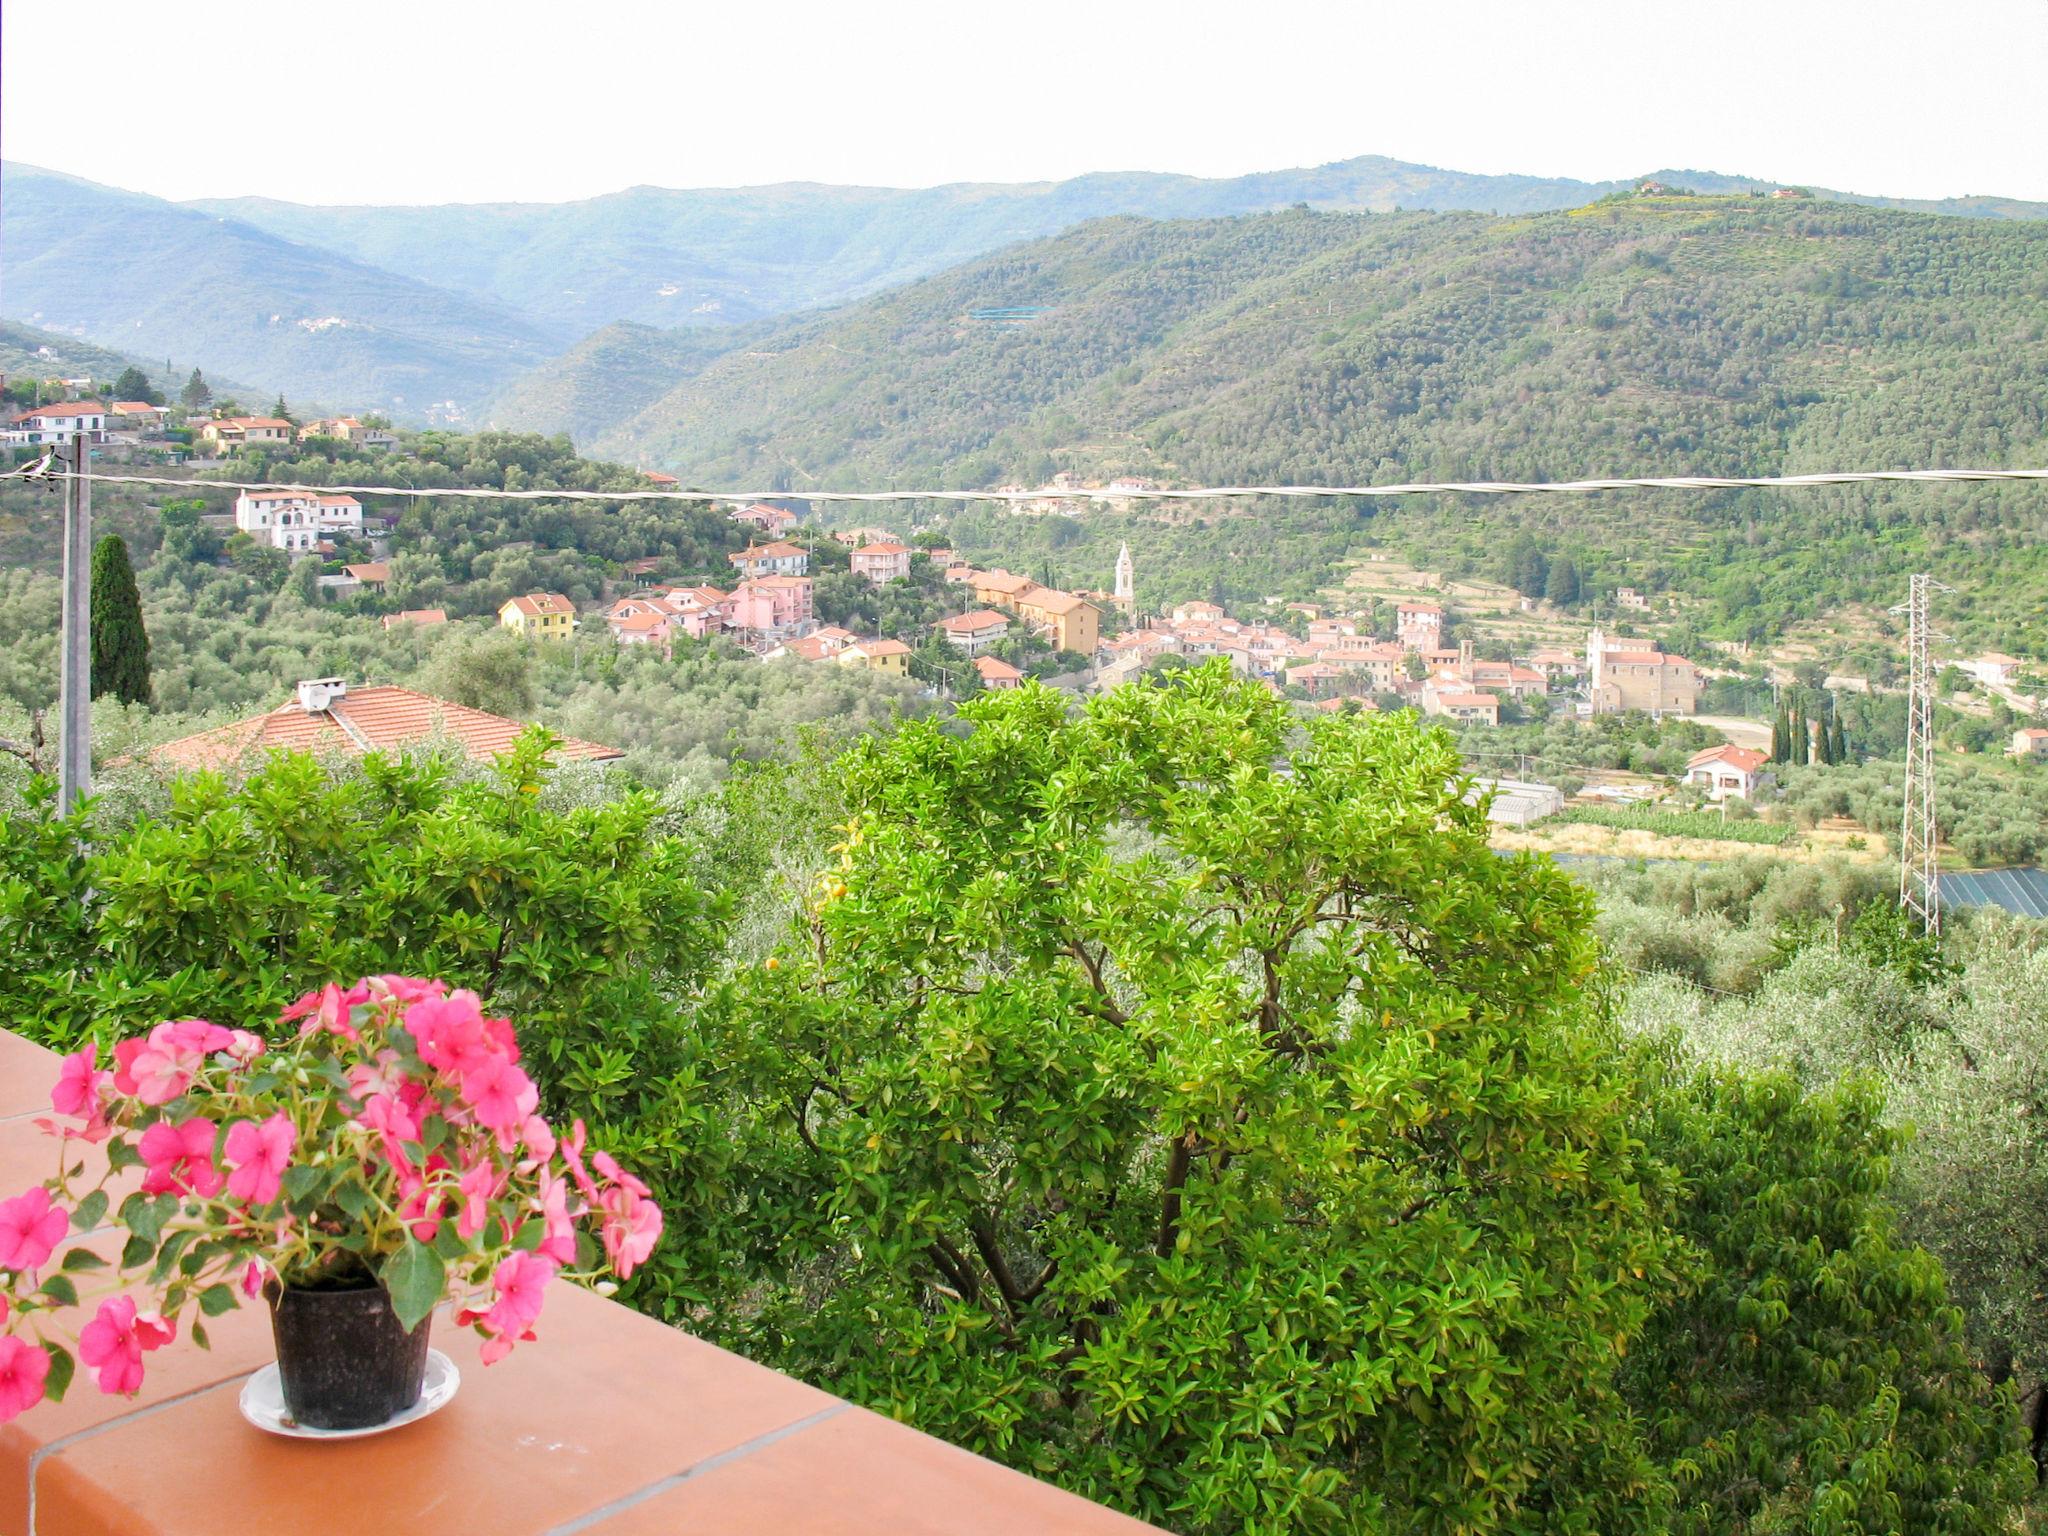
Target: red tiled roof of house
1003	581
1465	700
881	648
416	616
374	570
779	550
968	623
75	408
1050	600
1417	608
135	407
994	669
245	422
533	604
884	548
368	719
656	477
1747	759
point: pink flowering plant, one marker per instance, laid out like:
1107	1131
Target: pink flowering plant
388	1134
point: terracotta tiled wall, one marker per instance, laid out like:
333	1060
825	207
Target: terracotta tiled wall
612	1423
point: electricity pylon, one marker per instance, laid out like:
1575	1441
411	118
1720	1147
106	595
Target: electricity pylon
1919	860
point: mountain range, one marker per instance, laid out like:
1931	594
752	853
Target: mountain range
432	312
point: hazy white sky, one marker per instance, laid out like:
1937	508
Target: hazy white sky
473	100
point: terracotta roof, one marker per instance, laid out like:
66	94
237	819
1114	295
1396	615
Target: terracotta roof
656	477
879	648
1745	758
135	407
246	422
1003	581
534	604
1417	608
384	718
375	570
416	616
337	501
815	647
779	550
1457	700
779	581
994	669
1050	600
968	623
643	620
880	549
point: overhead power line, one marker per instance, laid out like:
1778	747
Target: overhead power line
46	471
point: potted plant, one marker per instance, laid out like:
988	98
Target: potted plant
383	1156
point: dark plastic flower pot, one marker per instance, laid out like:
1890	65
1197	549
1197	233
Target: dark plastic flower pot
342	1360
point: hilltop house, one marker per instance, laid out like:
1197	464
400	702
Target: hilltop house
776	559
327	716
889	657
2030	741
1726	770
297	521
56	425
1419	626
1462	704
1066	621
974	632
699	611
418	617
768	609
1994	669
231	432
539	616
822	644
1619	679
137	416
997	674
886	561
766	516
641	620
347	429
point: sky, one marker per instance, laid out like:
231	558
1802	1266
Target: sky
436	101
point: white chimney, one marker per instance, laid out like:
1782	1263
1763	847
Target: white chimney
316	693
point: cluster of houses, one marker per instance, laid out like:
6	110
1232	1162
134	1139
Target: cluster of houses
135	421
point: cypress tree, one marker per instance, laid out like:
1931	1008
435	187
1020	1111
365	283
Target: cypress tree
1838	748
120	644
1798	744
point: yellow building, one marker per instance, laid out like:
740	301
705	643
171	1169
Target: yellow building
890	657
540	616
1068	622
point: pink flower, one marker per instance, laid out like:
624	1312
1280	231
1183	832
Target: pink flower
407	989
421	1209
559	1241
254	1275
159	1068
81	1091
194	1037
30	1227
243	1046
572	1154
329	1010
367	1079
501	1096
537	1139
478	1186
113	1342
22	1369
179	1159
259	1154
519	1286
451	1033
630	1229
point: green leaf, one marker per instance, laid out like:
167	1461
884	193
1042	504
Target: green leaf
528	1237
167	1256
92	1210
199	1335
353	1199
216	1299
302	1183
59	1290
447	1243
415	1277
145	1215
62	1368
136	1251
120	1155
77	1259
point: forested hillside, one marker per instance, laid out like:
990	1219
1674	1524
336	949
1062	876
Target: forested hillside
1636	336
152	277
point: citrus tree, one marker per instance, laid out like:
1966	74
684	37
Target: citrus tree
1200	1113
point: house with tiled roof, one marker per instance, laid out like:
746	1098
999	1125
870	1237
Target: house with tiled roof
137	416
539	615
974	632
328	716
1726	770
774	559
420	618
997	674
1621	676
1466	705
770	609
1419	626
765	516
56	425
297	521
2030	741
889	657
886	561
230	432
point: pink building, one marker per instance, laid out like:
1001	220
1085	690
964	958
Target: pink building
1420	626
771	608
881	562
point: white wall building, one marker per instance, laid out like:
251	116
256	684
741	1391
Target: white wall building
296	521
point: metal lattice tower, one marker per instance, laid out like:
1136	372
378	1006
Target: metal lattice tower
1919	862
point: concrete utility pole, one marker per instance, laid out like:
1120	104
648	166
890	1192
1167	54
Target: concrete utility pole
74	687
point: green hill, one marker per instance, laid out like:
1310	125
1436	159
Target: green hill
26	351
608	376
1646	336
718	256
144	275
